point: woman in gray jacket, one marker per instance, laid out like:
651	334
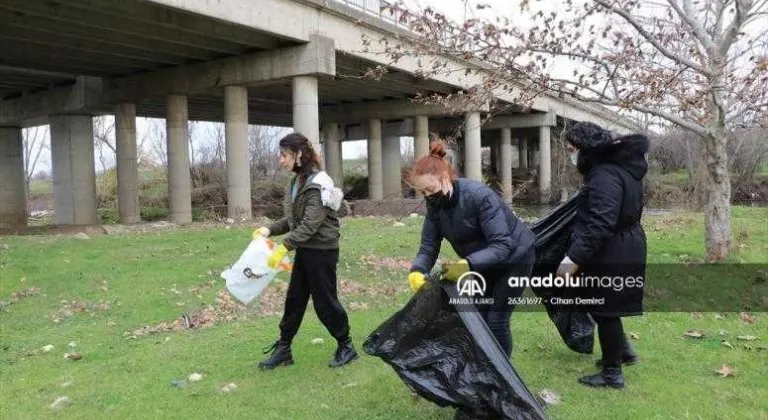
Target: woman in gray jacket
312	230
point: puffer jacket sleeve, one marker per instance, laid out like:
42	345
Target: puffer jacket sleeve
431	239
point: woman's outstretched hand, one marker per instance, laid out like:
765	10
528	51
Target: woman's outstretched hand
416	281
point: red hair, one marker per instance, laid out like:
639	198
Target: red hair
434	163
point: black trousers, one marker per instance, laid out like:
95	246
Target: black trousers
314	274
497	316
610	331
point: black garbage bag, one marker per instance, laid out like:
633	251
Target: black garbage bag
450	357
553	234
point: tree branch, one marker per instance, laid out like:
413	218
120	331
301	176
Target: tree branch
733	29
696	128
689	17
650	38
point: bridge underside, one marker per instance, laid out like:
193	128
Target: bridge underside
64	61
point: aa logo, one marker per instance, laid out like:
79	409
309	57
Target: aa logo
471	284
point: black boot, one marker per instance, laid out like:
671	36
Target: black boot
609	377
628	357
281	356
344	354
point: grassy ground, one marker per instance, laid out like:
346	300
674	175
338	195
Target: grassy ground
99	292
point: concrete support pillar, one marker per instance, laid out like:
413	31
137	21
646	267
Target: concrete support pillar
179	184
127	163
13	197
391	168
545	164
74	172
238	165
341	164
375	175
505	167
332	152
523	152
472	147
306	117
515	156
420	137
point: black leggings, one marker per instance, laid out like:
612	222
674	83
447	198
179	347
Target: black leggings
314	274
611	333
497	316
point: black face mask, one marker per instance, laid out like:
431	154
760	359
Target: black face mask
436	199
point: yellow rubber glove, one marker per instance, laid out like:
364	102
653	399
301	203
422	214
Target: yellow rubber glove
261	232
452	271
277	256
416	281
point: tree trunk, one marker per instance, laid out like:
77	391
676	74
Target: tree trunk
718	209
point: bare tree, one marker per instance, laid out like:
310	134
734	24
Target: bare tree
142	155
406	151
157	144
701	65
263	149
215	150
35	141
104	140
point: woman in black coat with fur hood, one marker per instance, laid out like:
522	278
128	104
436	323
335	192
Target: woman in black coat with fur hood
608	244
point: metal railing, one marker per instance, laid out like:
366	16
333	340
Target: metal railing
375	8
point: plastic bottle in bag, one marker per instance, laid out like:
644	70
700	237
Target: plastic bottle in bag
248	277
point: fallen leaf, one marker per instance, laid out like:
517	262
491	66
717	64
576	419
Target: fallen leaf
549	397
317	341
60	402
634	336
727	344
694	334
747	338
195	377
746	318
725	371
357	306
349	385
226	389
47	348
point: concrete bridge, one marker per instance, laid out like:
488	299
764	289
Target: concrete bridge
292	63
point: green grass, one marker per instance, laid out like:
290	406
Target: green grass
148	280
40	186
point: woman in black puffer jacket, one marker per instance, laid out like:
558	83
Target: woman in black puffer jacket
608	241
